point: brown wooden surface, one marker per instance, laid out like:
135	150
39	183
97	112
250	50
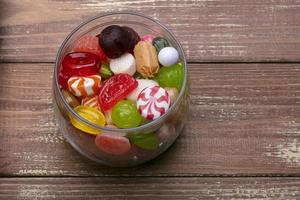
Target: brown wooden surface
167	188
244	119
209	30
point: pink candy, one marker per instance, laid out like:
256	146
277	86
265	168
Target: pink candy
147	38
153	102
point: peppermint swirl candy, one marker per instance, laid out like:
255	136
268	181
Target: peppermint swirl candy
153	102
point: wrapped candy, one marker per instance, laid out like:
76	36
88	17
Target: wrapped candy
84	86
146	59
153	102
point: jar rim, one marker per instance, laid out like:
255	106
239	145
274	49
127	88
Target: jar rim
104	128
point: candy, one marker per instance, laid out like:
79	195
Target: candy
146	141
126	115
168	56
89	43
146	59
142	84
123	64
153	102
108	119
91	101
173	93
134	38
93	115
70	99
105	72
115	89
147	38
113	143
114	41
80	64
171	76
165	132
160	43
84	86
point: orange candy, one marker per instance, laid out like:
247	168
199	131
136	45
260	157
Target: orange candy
84	86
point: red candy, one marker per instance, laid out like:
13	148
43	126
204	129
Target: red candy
78	64
115	89
112	143
90	44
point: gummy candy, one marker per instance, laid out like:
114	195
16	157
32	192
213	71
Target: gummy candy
115	89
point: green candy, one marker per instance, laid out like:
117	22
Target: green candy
171	76
125	114
105	72
160	43
145	141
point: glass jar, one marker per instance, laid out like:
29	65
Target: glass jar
159	133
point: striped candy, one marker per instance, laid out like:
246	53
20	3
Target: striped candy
91	101
153	102
84	86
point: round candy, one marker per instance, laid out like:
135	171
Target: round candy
115	89
168	56
70	99
89	43
84	86
134	38
171	76
142	84
91	114
112	143
124	64
147	38
153	102
80	64
125	115
114	41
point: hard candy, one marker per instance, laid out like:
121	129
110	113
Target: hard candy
84	86
125	115
70	99
142	84
153	102
160	43
173	93
134	38
92	115
168	56
91	101
146	59
123	64
147	38
147	141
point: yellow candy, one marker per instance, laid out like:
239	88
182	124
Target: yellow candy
93	115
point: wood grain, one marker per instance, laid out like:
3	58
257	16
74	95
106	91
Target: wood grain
209	30
244	121
150	188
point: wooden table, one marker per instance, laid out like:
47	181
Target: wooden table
242	137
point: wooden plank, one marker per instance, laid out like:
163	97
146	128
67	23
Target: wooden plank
244	120
209	30
150	188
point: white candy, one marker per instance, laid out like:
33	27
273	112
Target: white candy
123	64
142	84
168	56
